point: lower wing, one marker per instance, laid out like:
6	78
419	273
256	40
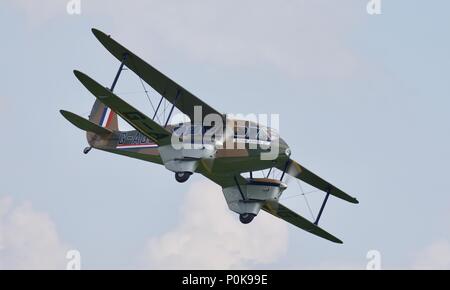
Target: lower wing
282	212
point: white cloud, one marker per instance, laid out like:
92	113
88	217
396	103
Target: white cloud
435	256
209	236
28	238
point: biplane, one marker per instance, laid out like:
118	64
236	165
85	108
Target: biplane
153	141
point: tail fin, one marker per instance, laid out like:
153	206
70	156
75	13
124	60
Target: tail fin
104	116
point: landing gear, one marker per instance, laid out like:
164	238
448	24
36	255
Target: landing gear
182	176
246	218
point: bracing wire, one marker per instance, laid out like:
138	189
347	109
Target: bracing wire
146	92
299	194
306	200
148	97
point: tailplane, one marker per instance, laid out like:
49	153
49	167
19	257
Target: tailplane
84	124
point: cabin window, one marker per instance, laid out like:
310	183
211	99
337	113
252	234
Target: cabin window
241	132
252	133
263	134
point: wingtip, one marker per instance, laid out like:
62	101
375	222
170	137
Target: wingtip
86	80
65	114
335	239
330	237
78	74
98	33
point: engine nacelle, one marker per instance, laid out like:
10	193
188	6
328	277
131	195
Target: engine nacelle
249	198
185	159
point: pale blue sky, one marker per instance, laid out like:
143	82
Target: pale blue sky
363	101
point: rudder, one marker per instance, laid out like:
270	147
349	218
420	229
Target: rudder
104	116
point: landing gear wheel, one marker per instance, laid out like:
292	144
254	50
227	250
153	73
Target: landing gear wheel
182	176
246	218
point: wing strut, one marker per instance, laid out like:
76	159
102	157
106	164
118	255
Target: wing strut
244	197
125	56
328	191
159	105
173	107
322	207
270	170
285	169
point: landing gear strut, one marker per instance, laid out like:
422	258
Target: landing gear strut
246	218
182	176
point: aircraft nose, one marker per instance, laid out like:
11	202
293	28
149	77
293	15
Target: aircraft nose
287	151
284	148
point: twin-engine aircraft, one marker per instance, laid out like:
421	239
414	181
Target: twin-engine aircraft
224	160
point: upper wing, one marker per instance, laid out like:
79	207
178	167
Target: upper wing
173	92
138	120
288	215
300	172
